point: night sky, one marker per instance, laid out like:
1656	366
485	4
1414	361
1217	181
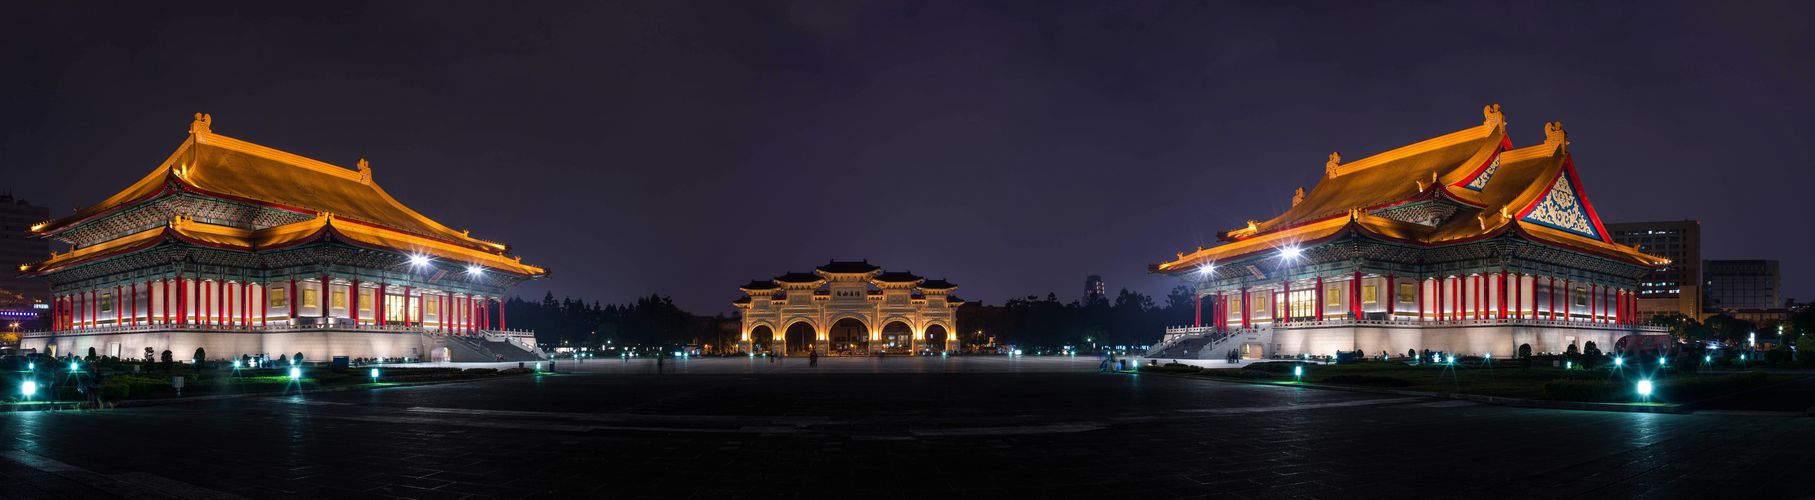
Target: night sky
1010	147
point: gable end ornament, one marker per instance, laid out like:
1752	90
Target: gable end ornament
1329	167
1555	136
1491	115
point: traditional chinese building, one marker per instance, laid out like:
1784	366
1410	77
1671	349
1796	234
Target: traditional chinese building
849	308
1459	243
243	249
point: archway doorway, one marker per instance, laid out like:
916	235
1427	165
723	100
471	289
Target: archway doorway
935	339
898	337
761	339
799	339
849	336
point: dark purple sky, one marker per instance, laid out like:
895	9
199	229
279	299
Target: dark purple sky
1011	147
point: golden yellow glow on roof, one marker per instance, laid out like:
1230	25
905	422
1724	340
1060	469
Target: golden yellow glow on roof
1342	199
223	166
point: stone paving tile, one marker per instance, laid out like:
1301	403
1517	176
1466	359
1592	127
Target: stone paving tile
1146	445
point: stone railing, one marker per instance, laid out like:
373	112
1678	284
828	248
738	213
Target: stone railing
102	330
1176	333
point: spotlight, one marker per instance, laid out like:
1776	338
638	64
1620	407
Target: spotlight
29	388
474	270
1290	253
1645	388
419	260
374	374
295	373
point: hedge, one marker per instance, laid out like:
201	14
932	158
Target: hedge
1678	390
1367	380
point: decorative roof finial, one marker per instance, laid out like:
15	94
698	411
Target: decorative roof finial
1329	168
1554	135
1298	195
201	123
365	171
1491	115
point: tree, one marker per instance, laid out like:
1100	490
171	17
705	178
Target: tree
201	355
167	359
91	354
297	359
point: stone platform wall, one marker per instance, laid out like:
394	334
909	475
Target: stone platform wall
314	344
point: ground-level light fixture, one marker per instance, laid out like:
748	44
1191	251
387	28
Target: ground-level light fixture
29	388
374	374
1644	388
295	373
74	366
1298	372
1619	361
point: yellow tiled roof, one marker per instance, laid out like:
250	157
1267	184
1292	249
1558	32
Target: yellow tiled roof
351	232
223	166
1427	168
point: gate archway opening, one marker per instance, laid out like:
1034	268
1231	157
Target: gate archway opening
898	337
935	339
850	337
761	339
799	339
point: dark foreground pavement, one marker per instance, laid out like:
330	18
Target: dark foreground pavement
900	428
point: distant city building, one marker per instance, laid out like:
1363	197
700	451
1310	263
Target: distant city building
1460	243
848	308
1093	289
1742	284
1675	288
243	249
21	299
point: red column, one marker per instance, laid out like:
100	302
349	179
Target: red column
1392	295
1245	323
1419	297
353	293
324	296
293	302
1518	298
1355	296
1197	311
181	301
1283	314
1500	302
1317	301
379	312
407	290
1594	294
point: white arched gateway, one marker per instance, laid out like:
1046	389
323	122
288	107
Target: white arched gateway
848	308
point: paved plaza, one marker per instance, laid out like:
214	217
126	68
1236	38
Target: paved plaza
892	428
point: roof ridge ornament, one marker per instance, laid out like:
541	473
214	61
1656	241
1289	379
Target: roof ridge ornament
365	171
1491	115
1298	195
1555	136
201	124
1329	167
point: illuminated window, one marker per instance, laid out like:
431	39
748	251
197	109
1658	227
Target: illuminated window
1408	292
435	308
1369	294
394	307
279	297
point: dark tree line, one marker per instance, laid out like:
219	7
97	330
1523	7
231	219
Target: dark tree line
1129	318
647	321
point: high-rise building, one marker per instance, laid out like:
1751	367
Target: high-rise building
21	299
1674	288
1093	288
1734	285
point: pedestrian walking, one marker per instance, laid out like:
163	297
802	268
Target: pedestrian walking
813	359
658	362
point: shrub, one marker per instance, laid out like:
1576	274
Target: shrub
1678	390
1274	367
480	371
1173	368
1367	380
515	371
1525	350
